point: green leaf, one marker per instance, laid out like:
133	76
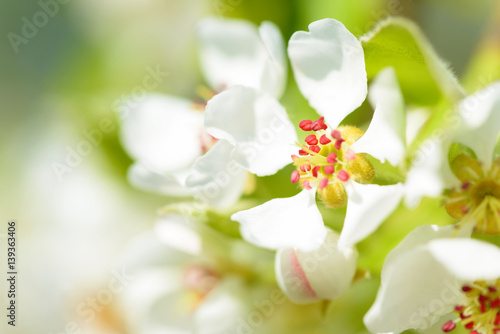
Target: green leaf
424	79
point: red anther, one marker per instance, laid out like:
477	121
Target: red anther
466	185
315	148
336	135
329	170
464	209
295	176
315	171
483	298
459	308
324	140
308	168
302	168
495	331
332	158
466	288
311	140
469	325
474	332
495	303
463	316
338	143
449	326
323	183
306	185
294	157
492	289
319	124
350	155
302	152
306	125
342	175
497	320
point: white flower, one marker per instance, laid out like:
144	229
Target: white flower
431	274
175	288
475	187
309	264
167	136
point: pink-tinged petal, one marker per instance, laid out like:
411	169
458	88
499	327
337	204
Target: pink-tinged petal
323	273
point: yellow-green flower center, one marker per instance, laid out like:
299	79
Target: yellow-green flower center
478	198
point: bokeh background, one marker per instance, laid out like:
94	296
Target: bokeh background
70	73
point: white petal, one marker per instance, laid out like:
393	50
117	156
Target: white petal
415	291
426	175
415	119
293	222
368	205
161	132
274	79
481	115
179	232
171	184
324	273
422	235
215	178
329	67
402	301
139	302
385	137
467	259
256	124
233	53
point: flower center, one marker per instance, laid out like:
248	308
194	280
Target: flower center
478	198
198	280
326	161
480	313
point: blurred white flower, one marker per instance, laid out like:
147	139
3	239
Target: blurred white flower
475	183
178	290
180	151
430	275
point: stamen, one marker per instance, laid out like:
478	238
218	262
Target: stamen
329	170
324	140
332	158
449	326
306	125
338	143
350	155
336	135
311	140
306	185
295	176
323	183
342	175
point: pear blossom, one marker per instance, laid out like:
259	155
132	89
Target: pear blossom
181	151
474	193
329	68
309	264
176	288
438	271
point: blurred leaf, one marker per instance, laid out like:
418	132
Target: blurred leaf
423	77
